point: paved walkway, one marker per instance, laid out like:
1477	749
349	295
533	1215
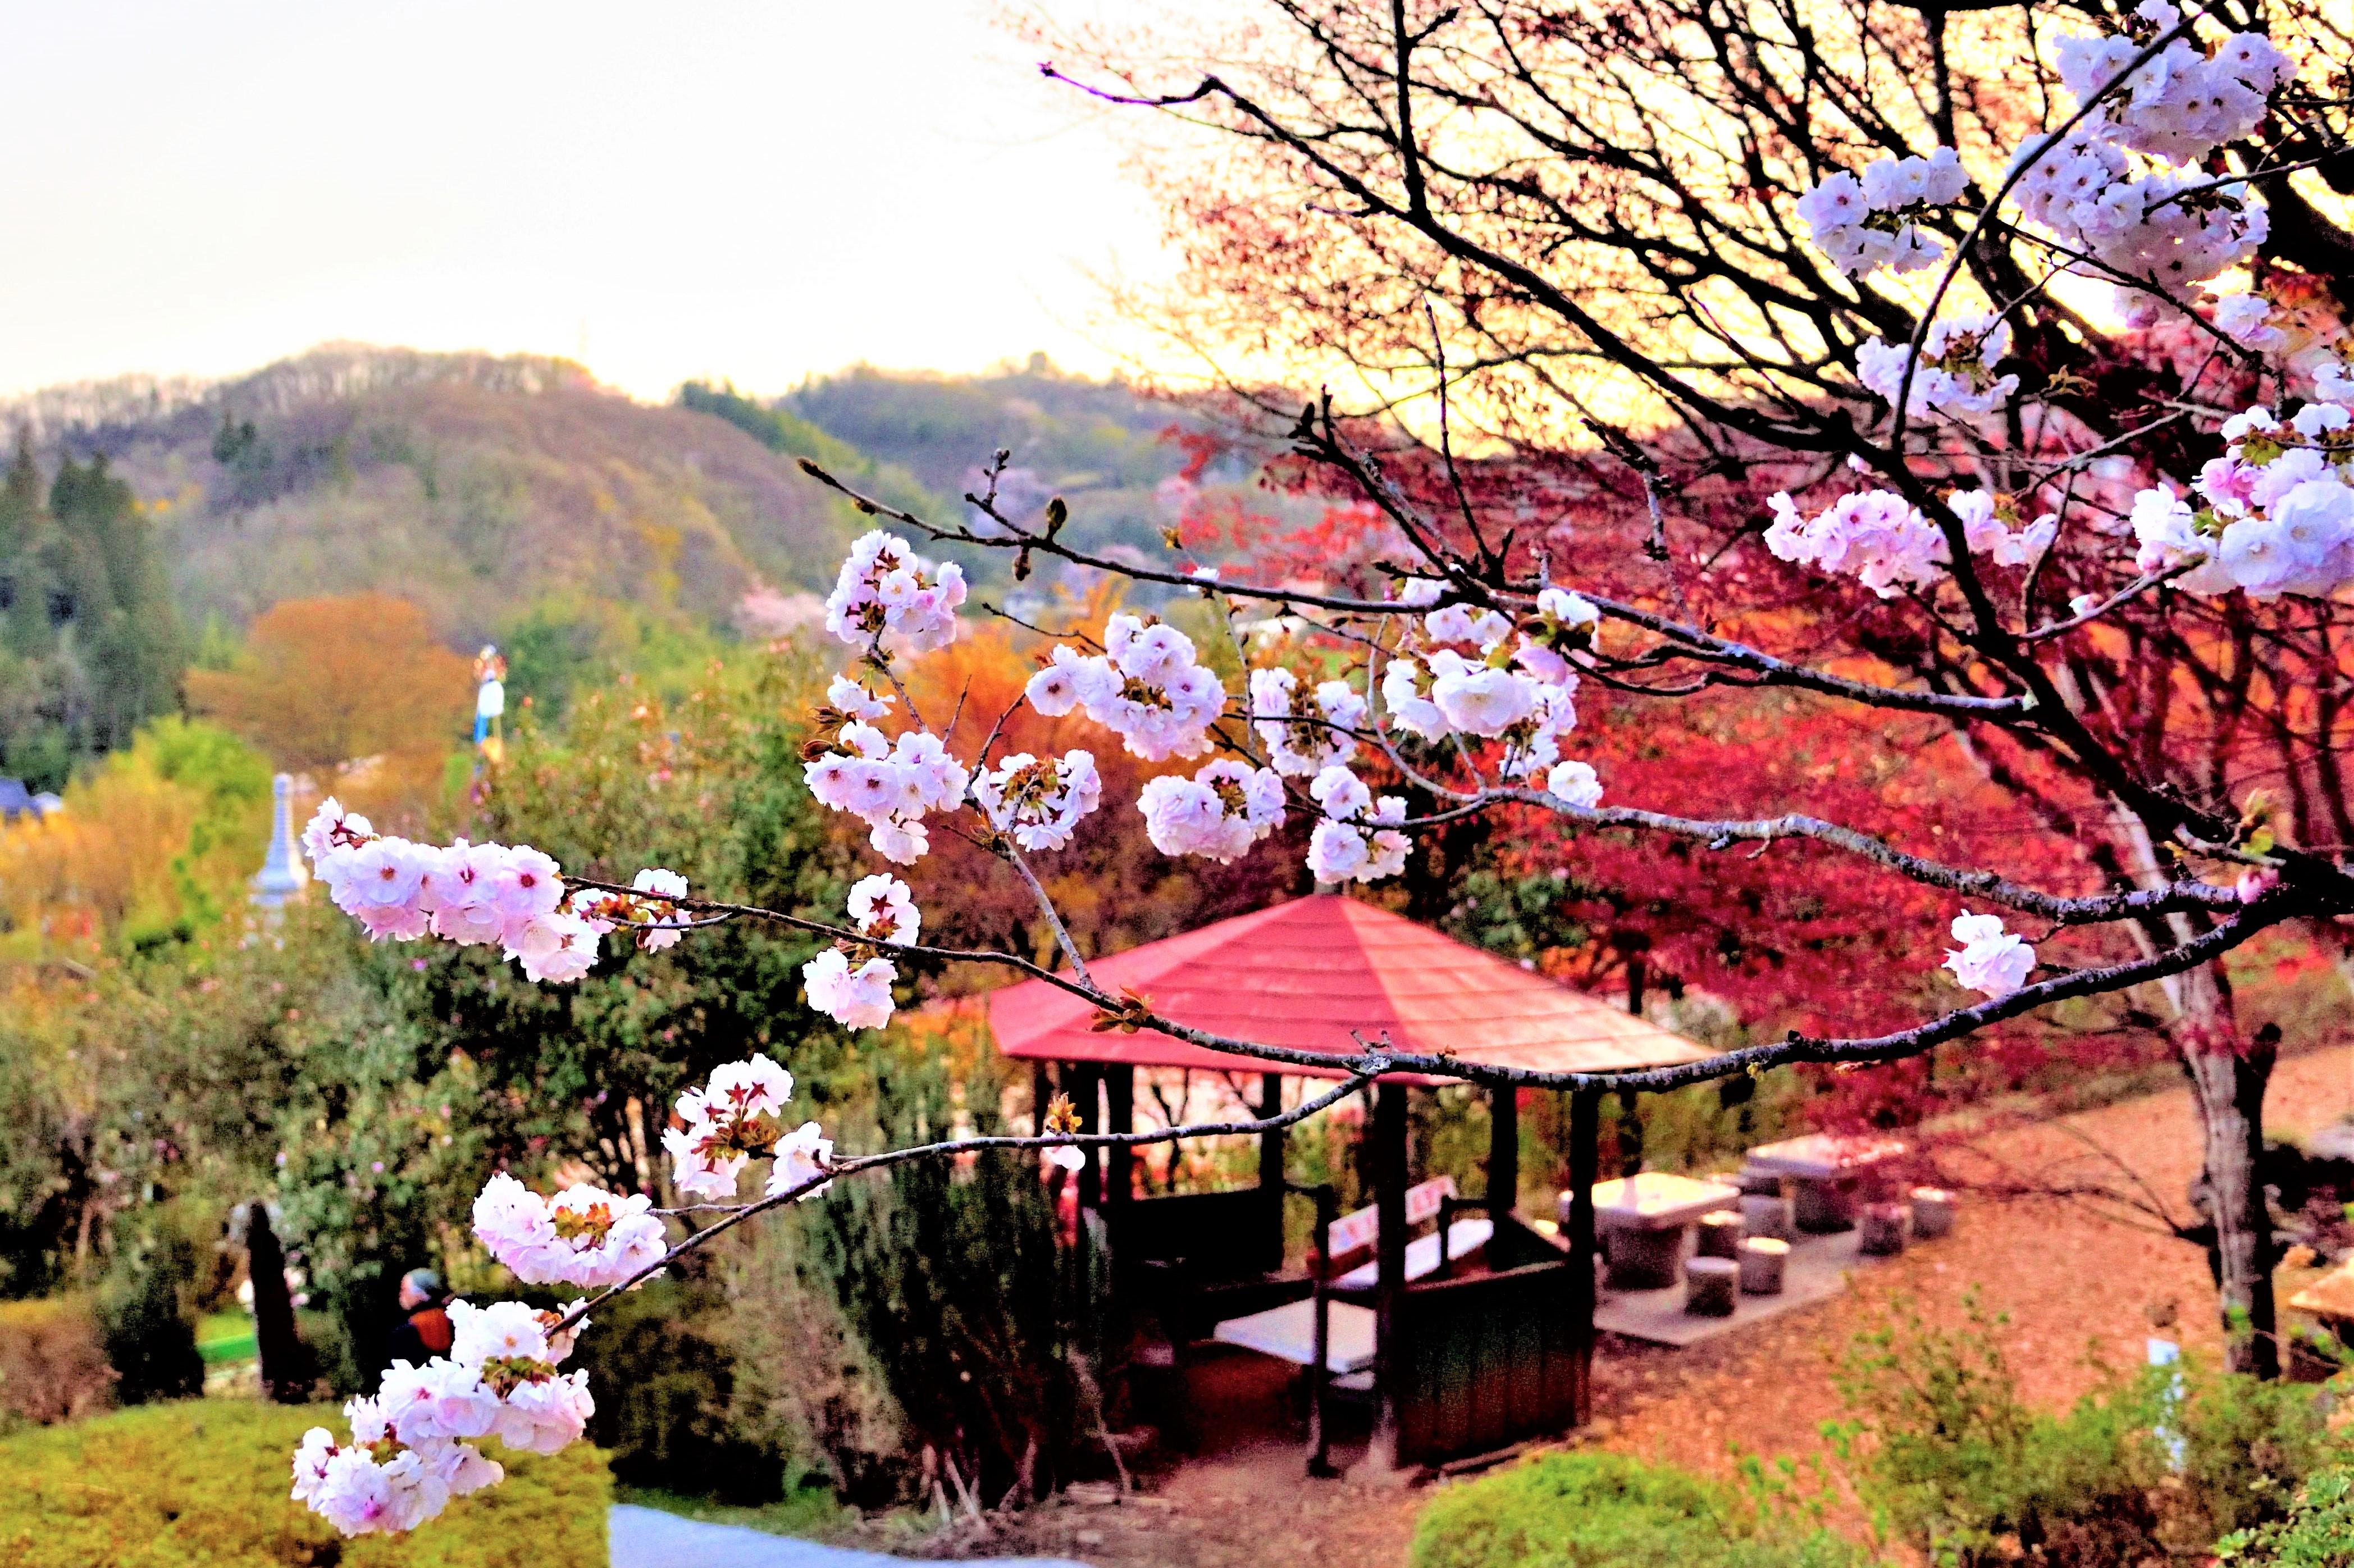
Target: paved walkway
648	1538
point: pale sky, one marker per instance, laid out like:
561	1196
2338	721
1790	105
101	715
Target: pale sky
756	190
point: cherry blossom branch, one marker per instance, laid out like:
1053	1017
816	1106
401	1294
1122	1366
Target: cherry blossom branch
1990	886
1954	1026
1986	215
1702	644
2132	590
1135	1012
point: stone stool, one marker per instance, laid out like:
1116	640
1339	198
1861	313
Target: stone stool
1822	1207
1763	1259
1933	1213
1710	1284
1881	1229
1719	1235
1766	1215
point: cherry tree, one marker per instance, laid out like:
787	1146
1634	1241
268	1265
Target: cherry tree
1428	673
1981	290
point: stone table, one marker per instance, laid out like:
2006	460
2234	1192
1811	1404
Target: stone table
1643	1221
1830	1176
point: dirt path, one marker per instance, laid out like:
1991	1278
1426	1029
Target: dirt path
2073	1283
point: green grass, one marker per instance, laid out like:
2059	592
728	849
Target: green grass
226	1336
811	1513
205	1482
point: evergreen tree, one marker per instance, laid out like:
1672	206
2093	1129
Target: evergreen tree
123	613
90	645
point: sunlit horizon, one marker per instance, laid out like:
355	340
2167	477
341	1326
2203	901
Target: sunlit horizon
743	192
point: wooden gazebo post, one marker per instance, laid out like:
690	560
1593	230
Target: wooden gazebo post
1270	1153
1584	1135
1119	1159
1503	1151
1080	1080
1389	1251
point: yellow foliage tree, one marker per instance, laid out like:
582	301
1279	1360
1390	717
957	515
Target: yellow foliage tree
156	842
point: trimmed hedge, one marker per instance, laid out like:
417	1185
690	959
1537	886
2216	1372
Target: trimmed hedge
1604	1510
205	1481
52	1360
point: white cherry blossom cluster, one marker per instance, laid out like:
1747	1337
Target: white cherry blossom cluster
1219	814
2185	101
1147	687
2162	219
2278	514
859	996
1518	687
736	1117
1956	374
1304	732
1990	960
580	1237
583	1237
412	1446
1862	224
887	785
2246	320
885	591
1875	536
1563	622
475	894
651	908
1353	843
2170	228
2126	186
1987	516
1883	541
1038	800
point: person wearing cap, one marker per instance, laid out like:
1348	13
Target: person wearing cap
425	1331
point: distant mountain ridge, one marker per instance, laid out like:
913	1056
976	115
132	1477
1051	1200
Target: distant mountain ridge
472	485
478	485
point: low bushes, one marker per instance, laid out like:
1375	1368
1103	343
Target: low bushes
52	1360
1604	1510
144	1309
205	1481
1953	1463
2318	1533
670	1408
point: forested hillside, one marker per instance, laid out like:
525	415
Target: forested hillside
468	484
510	499
1100	445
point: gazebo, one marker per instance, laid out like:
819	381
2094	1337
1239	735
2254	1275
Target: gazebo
1463	1362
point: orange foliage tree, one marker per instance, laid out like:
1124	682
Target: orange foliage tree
335	680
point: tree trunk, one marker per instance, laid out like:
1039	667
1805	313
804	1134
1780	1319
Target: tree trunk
2228	1078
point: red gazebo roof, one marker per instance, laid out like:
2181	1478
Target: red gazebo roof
1307	973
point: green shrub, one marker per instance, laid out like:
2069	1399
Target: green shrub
2318	1533
662	1369
2247	1447
146	1308
954	1280
205	1481
1604	1510
1953	1463
52	1364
